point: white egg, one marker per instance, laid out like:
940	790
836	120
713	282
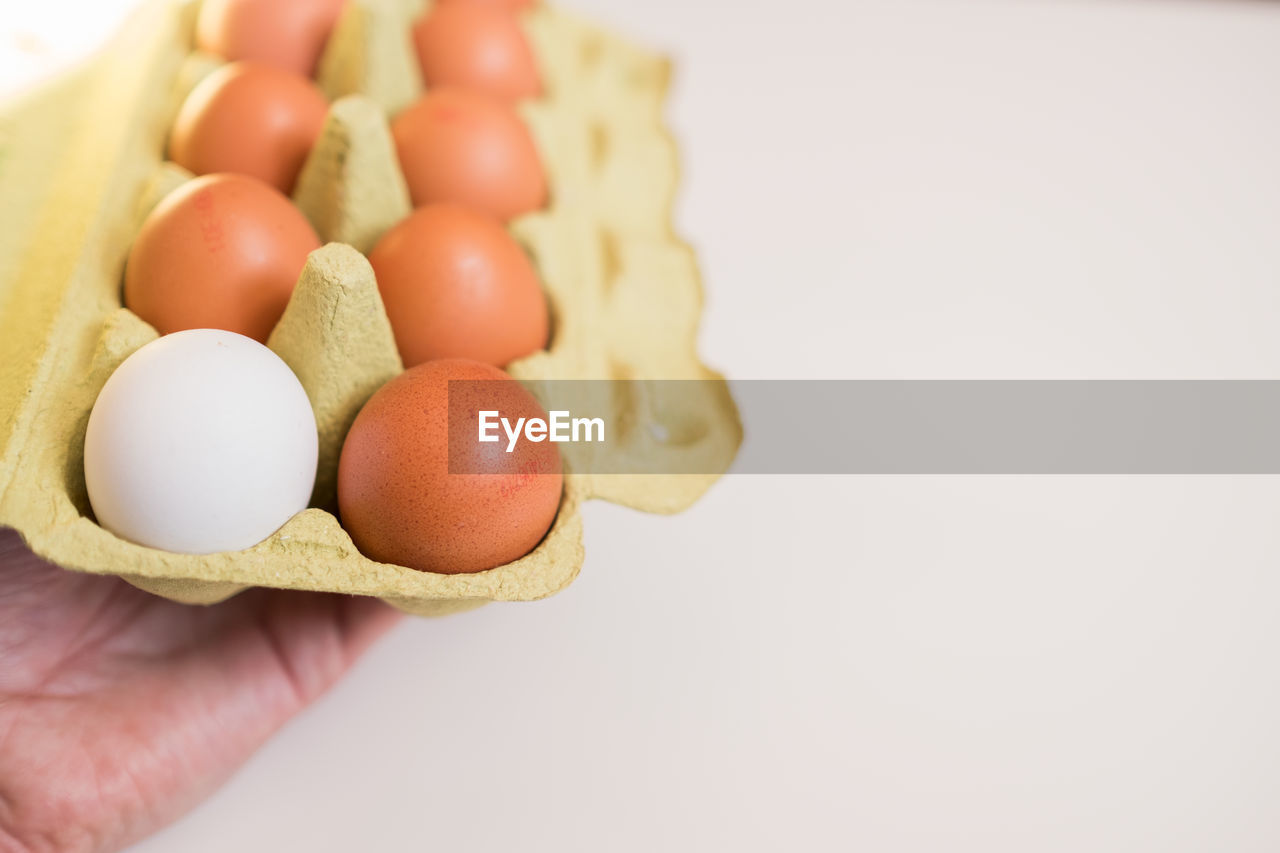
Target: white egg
201	441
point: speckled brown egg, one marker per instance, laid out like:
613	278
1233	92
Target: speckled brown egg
469	149
410	496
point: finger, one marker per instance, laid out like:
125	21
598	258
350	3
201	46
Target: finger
362	620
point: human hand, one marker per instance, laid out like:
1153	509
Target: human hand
119	710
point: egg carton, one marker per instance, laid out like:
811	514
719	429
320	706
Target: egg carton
81	163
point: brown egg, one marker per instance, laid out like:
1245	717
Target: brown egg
250	119
466	148
477	47
457	285
286	34
397	497
509	5
219	252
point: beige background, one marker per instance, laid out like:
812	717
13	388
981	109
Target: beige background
887	189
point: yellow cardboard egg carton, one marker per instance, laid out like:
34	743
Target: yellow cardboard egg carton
81	164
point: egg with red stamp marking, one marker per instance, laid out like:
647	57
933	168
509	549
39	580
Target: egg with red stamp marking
219	252
417	488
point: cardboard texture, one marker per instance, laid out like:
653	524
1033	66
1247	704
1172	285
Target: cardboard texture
81	163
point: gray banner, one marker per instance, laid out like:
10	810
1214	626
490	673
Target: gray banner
904	427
